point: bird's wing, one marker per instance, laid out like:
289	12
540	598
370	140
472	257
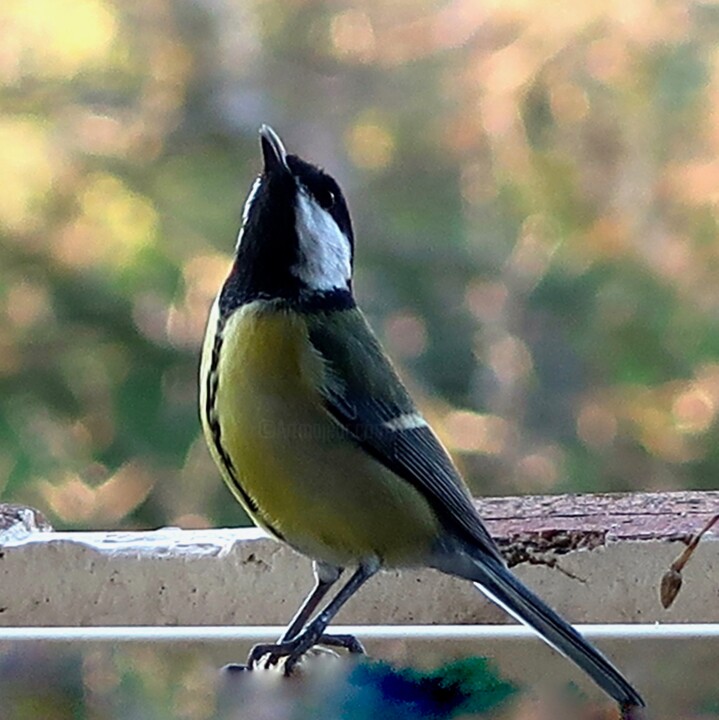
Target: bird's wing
363	393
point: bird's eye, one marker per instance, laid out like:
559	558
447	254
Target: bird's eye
326	198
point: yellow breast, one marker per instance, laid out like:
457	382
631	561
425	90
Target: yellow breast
293	467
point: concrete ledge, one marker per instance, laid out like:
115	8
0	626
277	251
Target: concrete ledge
597	559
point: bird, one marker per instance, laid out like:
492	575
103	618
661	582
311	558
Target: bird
317	437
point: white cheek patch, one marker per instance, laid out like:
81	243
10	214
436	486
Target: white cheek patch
325	252
248	206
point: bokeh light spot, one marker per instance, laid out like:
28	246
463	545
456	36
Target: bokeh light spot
596	425
468	431
370	145
56	38
693	410
510	359
26	171
540	468
406	334
487	300
27	303
352	36
114	225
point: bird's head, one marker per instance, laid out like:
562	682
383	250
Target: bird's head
296	239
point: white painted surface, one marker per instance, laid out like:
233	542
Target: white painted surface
240	577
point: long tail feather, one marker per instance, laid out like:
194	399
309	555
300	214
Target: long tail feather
503	588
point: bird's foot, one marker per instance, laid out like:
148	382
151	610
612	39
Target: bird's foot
292	650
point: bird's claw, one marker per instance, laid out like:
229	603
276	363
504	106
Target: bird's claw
293	650
347	642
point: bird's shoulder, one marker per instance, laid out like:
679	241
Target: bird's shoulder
357	366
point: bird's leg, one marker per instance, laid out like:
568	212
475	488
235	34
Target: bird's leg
295	647
325	577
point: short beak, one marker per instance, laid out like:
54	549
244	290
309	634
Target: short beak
273	151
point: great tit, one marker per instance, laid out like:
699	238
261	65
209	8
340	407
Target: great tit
317	437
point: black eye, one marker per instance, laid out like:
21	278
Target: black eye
326	198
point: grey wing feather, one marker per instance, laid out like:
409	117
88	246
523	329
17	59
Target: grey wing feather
363	400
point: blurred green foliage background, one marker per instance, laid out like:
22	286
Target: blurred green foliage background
535	188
